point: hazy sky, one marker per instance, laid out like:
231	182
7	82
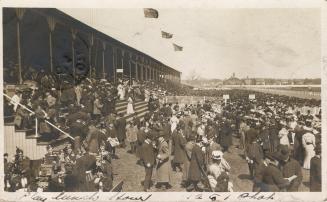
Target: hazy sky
278	43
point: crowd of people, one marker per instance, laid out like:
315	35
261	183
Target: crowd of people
278	136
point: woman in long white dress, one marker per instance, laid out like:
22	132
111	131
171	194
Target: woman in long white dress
146	95
121	91
308	141
130	109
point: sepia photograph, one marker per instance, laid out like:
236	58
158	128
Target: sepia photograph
162	99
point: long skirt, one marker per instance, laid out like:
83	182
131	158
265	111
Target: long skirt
130	109
309	153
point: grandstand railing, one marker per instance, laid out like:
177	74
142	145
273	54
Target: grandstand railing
36	120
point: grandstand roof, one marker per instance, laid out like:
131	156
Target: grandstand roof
63	17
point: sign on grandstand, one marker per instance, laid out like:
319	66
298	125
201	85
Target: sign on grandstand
252	96
119	70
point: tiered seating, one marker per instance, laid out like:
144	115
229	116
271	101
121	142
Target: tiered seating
35	148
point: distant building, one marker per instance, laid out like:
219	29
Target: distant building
248	81
233	81
260	82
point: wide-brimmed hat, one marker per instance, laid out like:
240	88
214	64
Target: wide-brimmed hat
273	156
217	155
284	153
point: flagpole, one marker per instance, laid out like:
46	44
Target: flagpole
103	50
122	63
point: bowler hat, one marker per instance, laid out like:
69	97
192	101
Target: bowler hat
284	153
273	156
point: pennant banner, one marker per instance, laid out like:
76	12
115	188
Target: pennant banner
166	35
150	13
177	48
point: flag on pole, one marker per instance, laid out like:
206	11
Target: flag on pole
177	48
166	35
150	13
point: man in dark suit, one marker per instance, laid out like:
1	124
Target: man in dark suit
148	158
84	164
272	177
196	169
254	155
315	171
178	143
121	129
226	136
290	167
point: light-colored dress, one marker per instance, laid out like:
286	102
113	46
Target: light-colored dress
309	142
283	137
121	91
131	133
130	109
146	95
215	170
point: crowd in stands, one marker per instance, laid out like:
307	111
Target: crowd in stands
277	134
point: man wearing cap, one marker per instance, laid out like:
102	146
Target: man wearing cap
290	167
272	177
253	155
178	143
147	156
315	170
196	170
82	168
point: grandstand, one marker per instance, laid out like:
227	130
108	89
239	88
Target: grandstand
63	46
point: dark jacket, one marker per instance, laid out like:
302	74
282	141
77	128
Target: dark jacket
178	143
315	174
83	164
121	129
226	135
273	180
147	154
254	152
292	167
196	164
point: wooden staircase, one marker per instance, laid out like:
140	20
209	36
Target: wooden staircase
140	107
22	139
33	146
